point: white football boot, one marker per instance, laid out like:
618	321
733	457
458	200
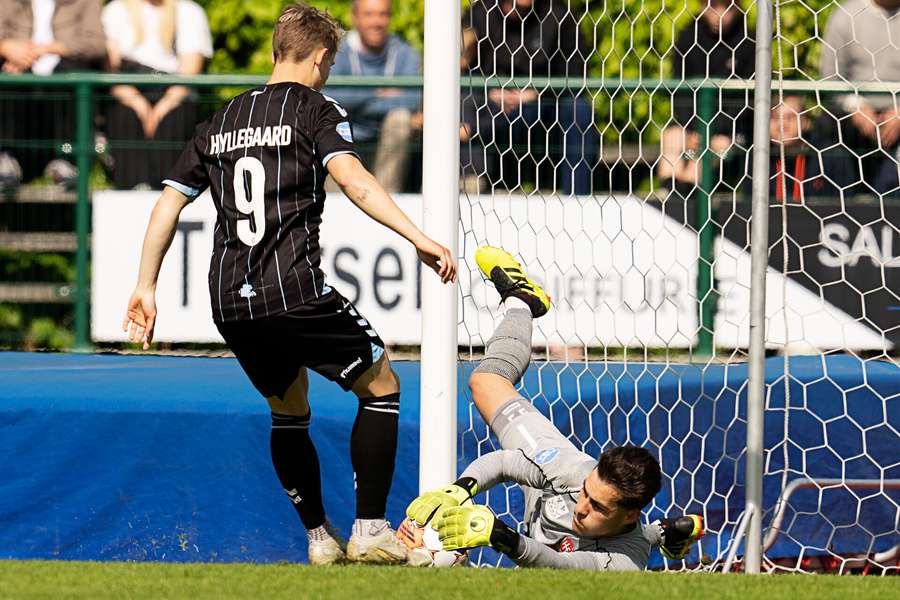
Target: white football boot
328	550
373	541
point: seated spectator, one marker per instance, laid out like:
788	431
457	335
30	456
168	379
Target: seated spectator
718	44
861	44
43	37
152	36
387	117
790	131
535	39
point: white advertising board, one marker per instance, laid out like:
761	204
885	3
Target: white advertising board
610	285
619	271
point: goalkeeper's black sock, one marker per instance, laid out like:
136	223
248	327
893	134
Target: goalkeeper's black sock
373	449
297	466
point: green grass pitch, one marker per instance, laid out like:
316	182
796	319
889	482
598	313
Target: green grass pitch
58	579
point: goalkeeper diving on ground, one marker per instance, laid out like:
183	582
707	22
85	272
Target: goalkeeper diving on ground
581	512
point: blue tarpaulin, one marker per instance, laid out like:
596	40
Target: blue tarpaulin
167	458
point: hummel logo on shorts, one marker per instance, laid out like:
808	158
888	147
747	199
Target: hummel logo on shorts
350	368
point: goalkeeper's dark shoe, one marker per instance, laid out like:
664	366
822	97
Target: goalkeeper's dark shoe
678	535
507	275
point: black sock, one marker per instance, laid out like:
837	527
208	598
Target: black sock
373	449
297	466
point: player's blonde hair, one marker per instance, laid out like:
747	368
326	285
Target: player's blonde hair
301	30
166	25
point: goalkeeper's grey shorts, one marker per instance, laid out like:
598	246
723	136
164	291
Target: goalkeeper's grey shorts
519	425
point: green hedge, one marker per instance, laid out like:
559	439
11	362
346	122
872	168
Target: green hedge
242	31
633	39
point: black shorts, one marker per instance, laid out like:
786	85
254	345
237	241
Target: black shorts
328	336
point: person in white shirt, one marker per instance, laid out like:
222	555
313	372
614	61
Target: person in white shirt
43	37
152	36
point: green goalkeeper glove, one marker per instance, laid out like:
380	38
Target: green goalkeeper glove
472	526
429	505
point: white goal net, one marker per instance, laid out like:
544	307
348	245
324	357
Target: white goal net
608	146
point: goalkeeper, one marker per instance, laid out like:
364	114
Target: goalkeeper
580	512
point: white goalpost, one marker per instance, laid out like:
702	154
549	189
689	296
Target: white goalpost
440	193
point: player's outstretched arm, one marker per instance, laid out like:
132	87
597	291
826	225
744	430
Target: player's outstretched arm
366	193
503	466
473	526
481	475
140	315
532	553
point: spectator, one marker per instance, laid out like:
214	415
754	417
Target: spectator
718	44
44	37
389	116
861	44
789	129
153	36
536	39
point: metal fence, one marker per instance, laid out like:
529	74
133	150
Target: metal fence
44	243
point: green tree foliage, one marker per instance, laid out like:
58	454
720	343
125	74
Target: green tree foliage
631	39
634	39
242	34
47	334
242	31
800	29
29	266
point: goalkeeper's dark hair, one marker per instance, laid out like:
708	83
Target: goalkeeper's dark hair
634	472
301	30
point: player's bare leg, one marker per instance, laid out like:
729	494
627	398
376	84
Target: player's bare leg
373	449
296	398
379	380
297	466
490	392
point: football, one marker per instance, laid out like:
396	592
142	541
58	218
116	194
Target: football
425	548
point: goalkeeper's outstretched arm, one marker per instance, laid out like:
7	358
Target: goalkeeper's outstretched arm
504	466
480	476
473	526
531	553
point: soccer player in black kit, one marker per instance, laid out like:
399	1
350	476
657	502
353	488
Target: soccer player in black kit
265	156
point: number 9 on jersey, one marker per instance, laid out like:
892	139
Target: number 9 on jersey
254	206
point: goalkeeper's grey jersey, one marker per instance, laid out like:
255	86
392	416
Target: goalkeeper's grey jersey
551	478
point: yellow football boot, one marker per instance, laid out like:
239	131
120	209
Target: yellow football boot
507	275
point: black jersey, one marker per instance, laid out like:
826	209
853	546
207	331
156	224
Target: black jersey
264	155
